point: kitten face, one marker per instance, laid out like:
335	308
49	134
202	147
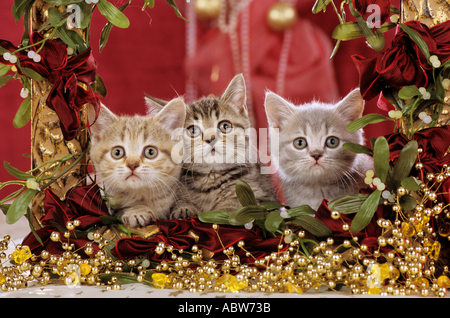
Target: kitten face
215	135
133	153
311	138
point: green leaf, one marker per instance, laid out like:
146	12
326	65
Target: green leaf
5	79
112	14
335	49
218	217
63	2
4	208
408	203
246	214
104	35
271	205
348	204
357	148
405	162
320	5
394	10
273	221
366	212
347	31
244	193
31	74
108	219
4	68
313	226
20	205
122	278
23	114
408	92
148	3
365	120
411	184
20	7
375	39
54	15
16	172
86	10
177	12
417	39
381	158
100	87
301	210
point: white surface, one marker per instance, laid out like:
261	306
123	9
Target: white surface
19	230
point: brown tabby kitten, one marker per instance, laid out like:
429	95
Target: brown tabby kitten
217	152
132	158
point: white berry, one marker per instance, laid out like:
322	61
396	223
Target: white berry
31	54
24	93
7	56
37	58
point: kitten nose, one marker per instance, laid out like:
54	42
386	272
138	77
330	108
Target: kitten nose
316	155
211	139
133	165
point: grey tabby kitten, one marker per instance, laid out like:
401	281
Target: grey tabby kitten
311	162
132	158
217	152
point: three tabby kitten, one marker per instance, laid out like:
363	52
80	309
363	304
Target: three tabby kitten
183	160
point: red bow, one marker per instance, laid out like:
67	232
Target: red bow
82	203
66	97
434	143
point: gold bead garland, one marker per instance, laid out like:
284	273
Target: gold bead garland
409	268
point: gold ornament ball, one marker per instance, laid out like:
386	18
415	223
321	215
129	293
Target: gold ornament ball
281	16
207	9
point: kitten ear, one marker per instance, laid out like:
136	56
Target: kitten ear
352	106
172	116
235	94
154	105
278	110
105	118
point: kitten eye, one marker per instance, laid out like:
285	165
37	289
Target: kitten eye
150	152
332	142
225	127
300	143
194	131
117	153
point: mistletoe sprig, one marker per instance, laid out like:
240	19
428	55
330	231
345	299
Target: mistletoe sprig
270	216
30	185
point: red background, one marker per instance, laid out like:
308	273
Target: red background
149	57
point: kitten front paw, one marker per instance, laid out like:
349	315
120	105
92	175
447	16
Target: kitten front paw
185	211
137	216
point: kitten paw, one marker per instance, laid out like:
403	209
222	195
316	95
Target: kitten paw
184	212
137	216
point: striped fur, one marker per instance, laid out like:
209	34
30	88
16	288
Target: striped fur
208	175
142	189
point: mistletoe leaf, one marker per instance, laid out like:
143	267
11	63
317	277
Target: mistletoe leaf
23	114
348	204
313	226
20	205
218	217
366	120
112	14
381	158
366	212
244	193
246	214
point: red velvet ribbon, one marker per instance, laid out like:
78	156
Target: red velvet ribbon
434	143
403	63
66	97
82	203
178	234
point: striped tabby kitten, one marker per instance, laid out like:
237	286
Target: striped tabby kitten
132	157
312	163
217	152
